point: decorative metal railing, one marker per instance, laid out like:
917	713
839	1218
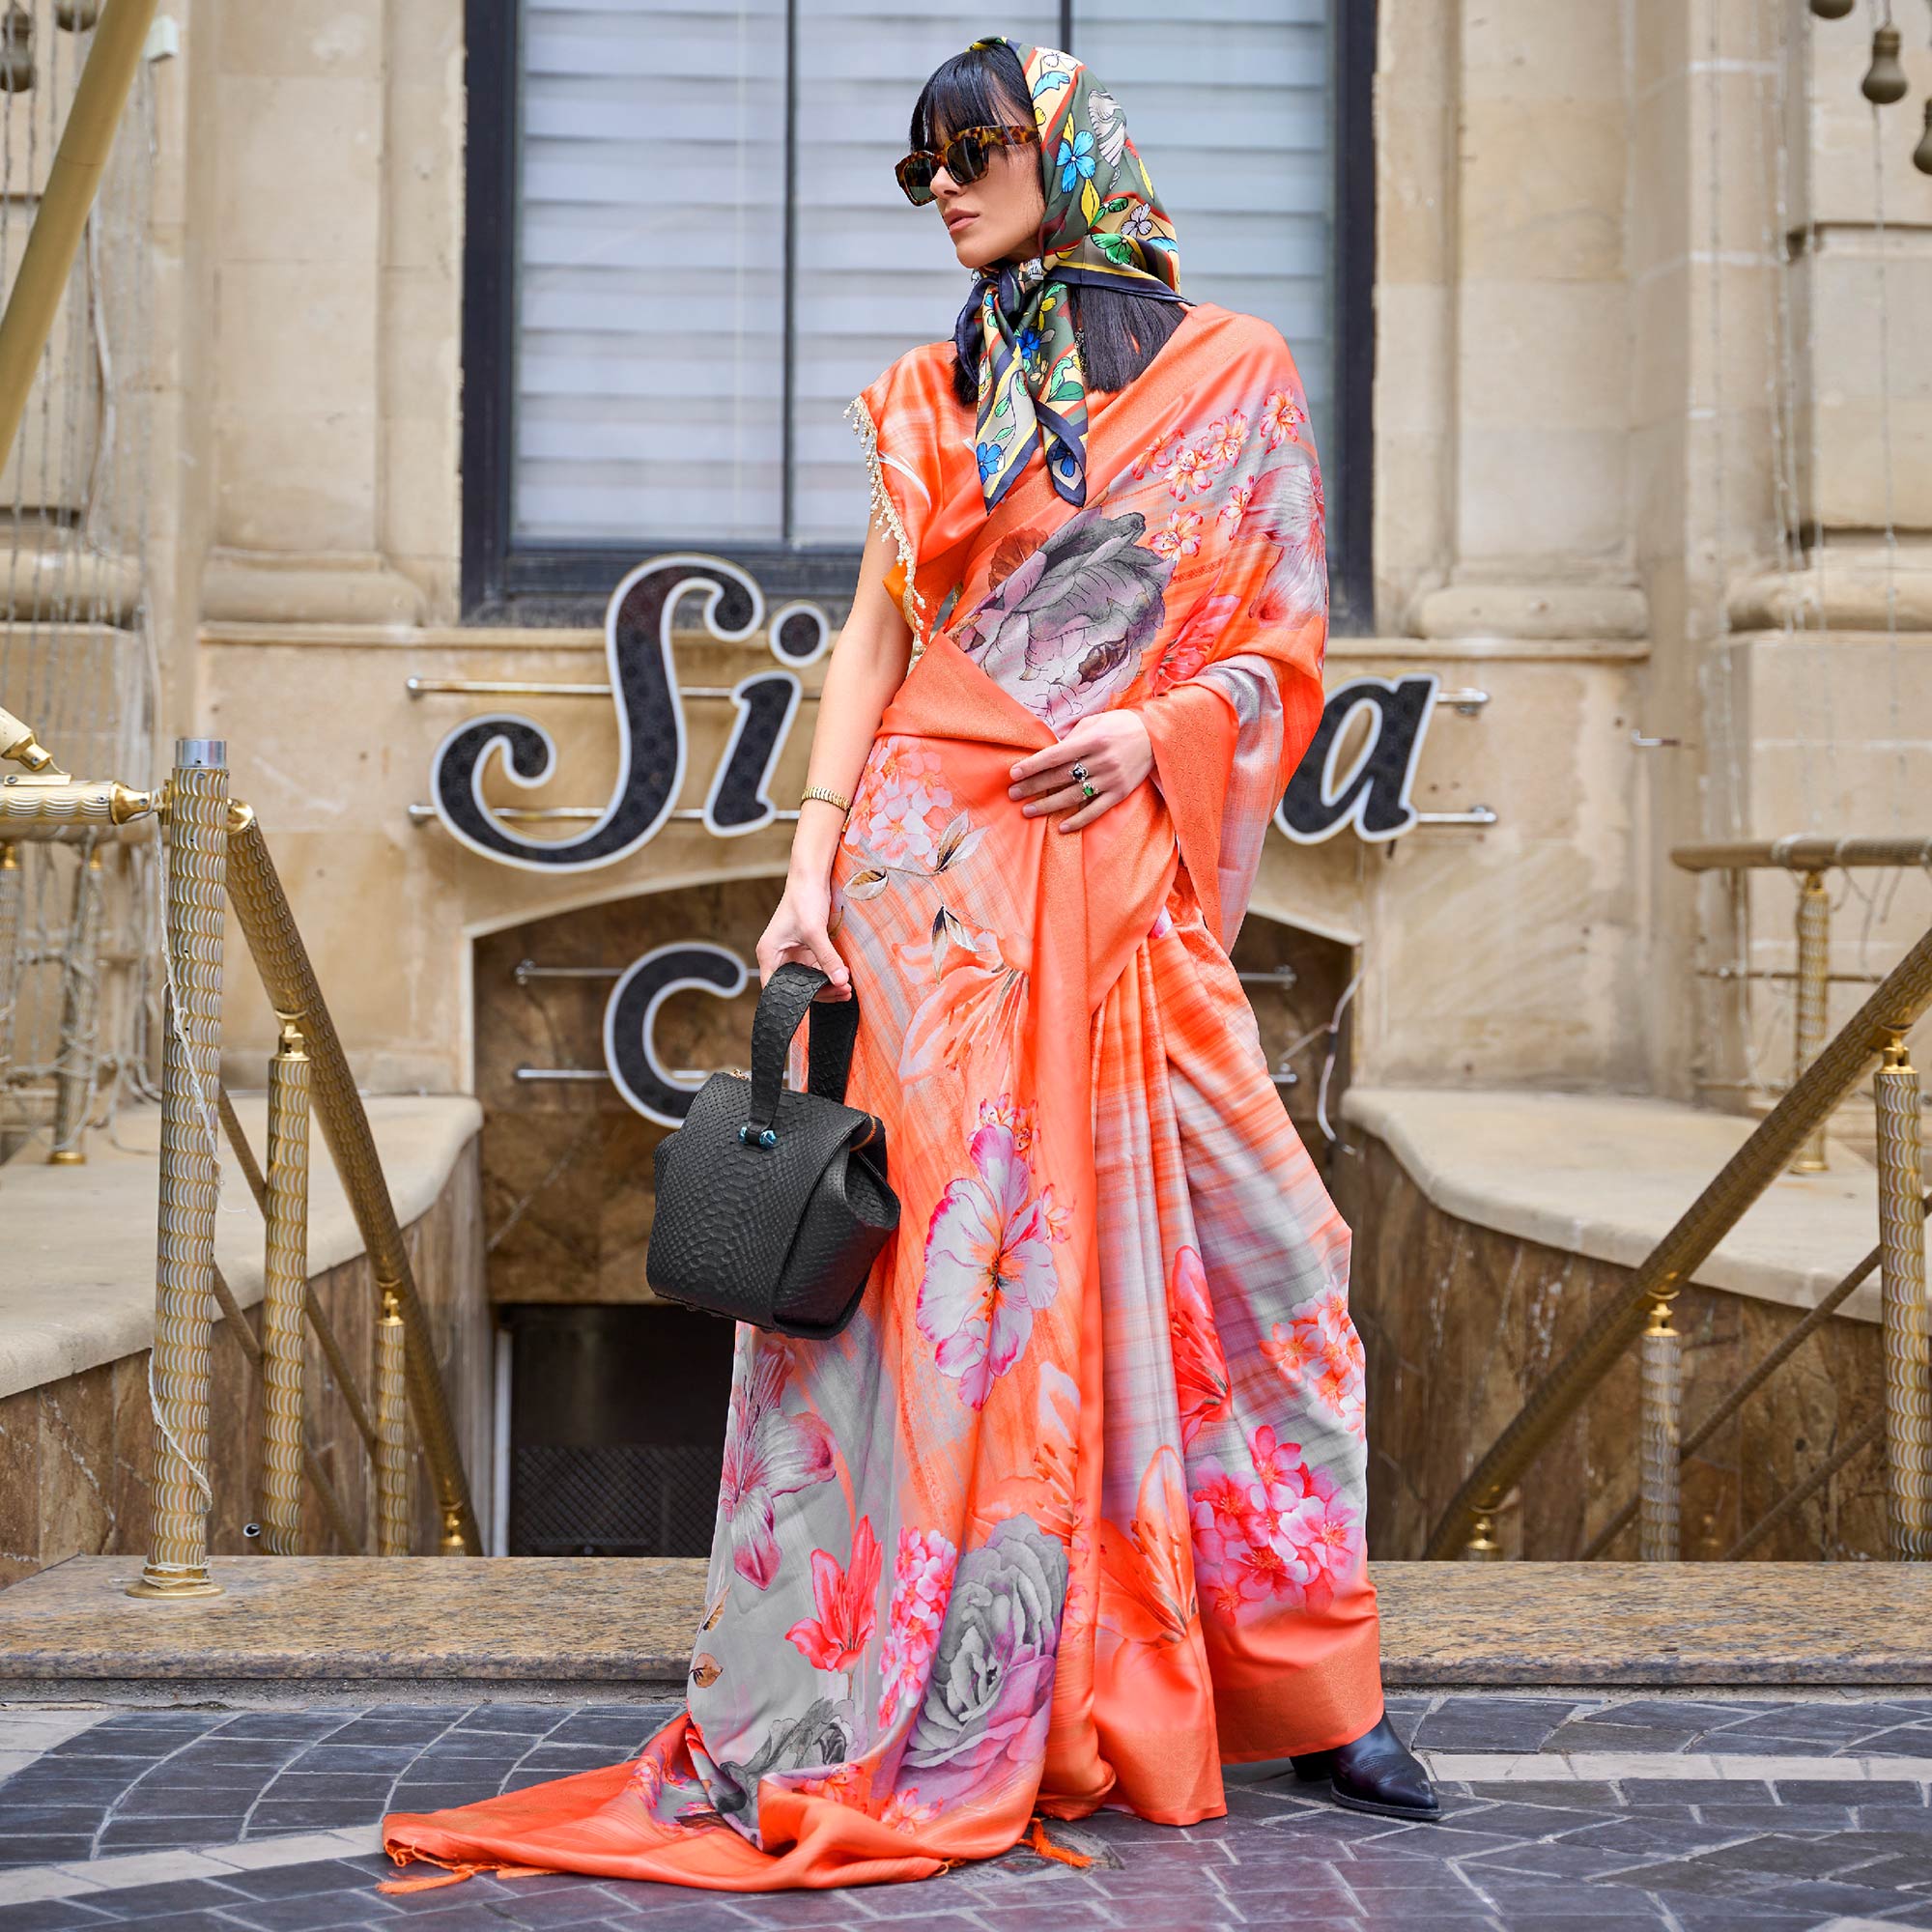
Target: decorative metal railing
1789	1137
212	850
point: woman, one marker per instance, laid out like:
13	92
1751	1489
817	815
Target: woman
1071	1514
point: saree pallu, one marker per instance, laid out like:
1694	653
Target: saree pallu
1071	1514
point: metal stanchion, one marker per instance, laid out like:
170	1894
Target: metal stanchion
1812	1002
392	1433
1659	1431
285	1287
196	849
10	949
1901	1241
262	909
80	1006
1482	1546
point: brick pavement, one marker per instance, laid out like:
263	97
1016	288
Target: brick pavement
1586	1812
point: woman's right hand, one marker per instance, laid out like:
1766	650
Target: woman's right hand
800	930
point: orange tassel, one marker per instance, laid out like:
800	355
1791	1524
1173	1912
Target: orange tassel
454	1875
1038	1841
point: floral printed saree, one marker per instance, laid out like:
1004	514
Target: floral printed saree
1071	1514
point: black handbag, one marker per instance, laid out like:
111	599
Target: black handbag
772	1204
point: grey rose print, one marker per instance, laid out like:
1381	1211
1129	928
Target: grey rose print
1079	611
820	1737
986	1703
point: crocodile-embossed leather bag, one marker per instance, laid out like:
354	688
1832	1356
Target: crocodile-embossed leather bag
771	1204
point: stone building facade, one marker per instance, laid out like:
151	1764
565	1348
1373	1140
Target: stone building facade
1651	450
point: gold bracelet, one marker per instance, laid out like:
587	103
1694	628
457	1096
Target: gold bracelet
830	796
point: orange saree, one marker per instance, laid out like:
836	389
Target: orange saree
1071	1514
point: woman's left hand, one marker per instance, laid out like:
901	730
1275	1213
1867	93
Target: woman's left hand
1114	749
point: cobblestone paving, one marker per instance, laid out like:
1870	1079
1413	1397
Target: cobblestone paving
1586	1813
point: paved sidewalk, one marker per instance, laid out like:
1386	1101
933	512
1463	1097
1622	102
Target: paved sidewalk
1588	1813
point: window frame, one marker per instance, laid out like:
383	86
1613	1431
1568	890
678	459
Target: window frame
505	582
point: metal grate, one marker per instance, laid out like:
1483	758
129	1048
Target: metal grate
613	1499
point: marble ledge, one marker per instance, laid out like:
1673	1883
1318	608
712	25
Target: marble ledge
78	1253
1607	1176
337	1621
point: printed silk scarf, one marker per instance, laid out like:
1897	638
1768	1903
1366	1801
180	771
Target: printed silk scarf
1104	226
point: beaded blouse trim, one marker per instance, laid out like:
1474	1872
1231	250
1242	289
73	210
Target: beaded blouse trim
911	604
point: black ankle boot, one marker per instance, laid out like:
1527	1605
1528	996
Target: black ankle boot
1376	1773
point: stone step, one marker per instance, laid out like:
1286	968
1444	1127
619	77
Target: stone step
313	1627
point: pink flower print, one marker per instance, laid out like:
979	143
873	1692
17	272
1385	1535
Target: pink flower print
1286	1538
1225	1531
1192	470
1319	1355
1193	645
1289	510
768	1454
1326	1536
849	1784
1200	1368
1179	535
1282	416
988	1266
847	1601
1159	458
1227	1502
1181	660
1224	438
921	1587
1236	506
903	1811
1276	1462
1291	1348
1004	1111
902	812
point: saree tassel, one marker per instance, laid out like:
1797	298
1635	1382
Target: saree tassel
1036	1840
451	1874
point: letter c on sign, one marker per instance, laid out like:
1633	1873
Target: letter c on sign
631	1015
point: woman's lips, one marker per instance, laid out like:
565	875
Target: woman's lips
955	222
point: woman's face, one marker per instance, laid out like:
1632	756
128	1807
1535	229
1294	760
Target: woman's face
997	218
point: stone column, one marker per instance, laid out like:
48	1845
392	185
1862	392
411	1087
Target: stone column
299	528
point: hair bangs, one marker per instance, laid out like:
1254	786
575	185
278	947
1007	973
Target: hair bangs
984	87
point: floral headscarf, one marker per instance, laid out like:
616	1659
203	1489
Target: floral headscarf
1104	225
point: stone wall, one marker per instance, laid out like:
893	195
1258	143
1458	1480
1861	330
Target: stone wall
76	1456
1458	1323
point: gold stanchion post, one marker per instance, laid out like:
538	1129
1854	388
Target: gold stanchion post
1812	1001
392	1433
285	1279
196	848
1901	1241
10	946
1659	1431
262	909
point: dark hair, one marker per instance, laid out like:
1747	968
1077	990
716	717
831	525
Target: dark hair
1119	332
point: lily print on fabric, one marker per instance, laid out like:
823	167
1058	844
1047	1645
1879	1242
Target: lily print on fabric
768	1454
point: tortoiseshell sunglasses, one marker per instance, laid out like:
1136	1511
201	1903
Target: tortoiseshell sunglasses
964	158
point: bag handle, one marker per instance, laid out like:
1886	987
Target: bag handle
787	996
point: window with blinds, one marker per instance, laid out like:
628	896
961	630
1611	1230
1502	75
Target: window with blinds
712	256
